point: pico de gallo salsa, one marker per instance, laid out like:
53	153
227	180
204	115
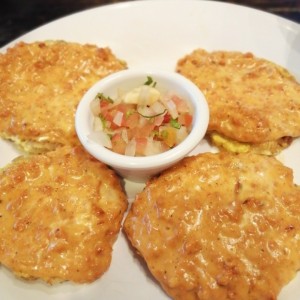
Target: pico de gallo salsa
142	121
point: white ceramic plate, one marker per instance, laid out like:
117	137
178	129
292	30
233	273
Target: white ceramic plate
156	34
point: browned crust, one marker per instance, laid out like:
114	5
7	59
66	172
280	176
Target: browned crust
60	214
250	99
219	226
41	84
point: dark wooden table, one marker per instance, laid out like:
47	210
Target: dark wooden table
20	16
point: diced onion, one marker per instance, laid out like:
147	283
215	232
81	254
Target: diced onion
145	111
172	109
145	121
101	138
144	95
153	147
97	124
95	107
182	106
132	97
124	135
158	107
116	102
170	106
142	122
148	95
182	133
131	148
159	120
118	118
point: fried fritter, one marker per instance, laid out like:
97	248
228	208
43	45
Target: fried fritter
60	213
41	84
219	226
254	103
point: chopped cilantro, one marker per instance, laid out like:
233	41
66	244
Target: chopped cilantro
150	81
101	97
175	124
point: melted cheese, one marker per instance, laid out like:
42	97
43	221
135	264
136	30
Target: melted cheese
266	148
229	145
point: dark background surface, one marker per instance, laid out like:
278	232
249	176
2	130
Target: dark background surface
20	16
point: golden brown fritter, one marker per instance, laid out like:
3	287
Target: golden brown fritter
41	84
252	101
60	214
219	226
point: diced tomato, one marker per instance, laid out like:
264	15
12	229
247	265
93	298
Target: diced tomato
113	126
141	144
121	107
107	118
138	129
146	130
159	120
104	106
110	116
132	132
185	119
132	120
124	108
188	120
118	144
167	118
181	105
